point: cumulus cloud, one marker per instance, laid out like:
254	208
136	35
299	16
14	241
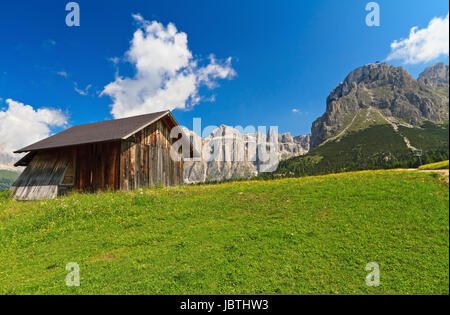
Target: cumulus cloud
167	75
423	45
21	125
295	110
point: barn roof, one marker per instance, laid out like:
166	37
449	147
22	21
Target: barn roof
104	131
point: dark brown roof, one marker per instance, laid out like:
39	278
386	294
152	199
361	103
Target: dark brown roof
104	131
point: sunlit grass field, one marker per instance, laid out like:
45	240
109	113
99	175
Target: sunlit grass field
306	235
435	166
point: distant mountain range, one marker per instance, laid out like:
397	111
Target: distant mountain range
375	118
235	158
6	161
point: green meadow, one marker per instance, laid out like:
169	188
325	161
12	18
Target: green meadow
435	166
303	235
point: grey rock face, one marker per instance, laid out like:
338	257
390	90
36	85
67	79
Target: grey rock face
435	75
304	141
391	90
236	155
289	147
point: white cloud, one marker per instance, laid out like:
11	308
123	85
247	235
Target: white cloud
84	91
62	73
167	75
295	110
77	89
22	125
423	45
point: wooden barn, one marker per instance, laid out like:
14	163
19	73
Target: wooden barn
121	154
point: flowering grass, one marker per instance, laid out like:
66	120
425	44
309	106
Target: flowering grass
306	235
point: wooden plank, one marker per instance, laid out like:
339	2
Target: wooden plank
138	172
132	162
121	168
43	175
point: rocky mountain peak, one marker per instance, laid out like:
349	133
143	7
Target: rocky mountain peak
435	75
372	75
388	91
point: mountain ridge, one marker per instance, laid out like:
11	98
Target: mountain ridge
235	159
392	91
379	117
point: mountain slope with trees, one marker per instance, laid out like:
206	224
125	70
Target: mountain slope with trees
378	118
7	178
388	92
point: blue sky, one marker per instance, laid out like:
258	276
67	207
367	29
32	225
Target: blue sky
285	54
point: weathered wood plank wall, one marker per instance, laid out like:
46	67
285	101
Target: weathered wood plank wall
43	175
145	158
97	167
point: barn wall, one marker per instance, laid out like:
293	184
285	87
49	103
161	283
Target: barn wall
145	158
140	161
97	167
69	175
43	175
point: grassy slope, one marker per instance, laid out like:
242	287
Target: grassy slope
376	147
435	166
7	178
308	235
